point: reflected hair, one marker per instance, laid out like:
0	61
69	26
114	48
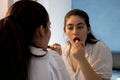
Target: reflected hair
82	14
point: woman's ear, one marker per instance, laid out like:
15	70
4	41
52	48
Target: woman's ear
41	31
64	31
89	30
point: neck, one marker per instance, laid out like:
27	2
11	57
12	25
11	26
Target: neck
38	46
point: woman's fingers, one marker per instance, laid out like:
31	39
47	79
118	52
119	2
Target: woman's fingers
56	47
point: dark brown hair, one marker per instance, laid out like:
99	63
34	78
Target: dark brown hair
16	33
90	37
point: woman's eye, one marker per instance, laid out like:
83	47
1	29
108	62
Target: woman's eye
80	26
70	27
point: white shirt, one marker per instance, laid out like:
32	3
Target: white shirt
49	67
98	56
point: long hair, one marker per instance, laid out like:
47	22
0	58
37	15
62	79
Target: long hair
90	37
16	33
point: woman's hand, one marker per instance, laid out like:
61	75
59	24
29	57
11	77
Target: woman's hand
56	47
78	49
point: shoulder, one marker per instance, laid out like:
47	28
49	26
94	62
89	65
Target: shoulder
100	54
58	66
98	50
65	49
55	59
54	54
100	45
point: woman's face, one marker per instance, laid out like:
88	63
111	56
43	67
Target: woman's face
76	27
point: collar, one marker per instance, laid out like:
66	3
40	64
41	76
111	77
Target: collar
38	52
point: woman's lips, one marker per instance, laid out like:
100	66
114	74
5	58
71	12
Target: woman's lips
75	39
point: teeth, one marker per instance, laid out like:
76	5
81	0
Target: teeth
76	39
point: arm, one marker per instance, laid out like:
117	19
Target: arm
78	51
88	71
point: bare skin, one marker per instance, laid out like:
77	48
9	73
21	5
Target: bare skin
56	47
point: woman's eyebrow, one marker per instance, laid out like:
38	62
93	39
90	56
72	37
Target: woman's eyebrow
80	24
69	24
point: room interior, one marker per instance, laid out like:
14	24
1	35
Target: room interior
57	13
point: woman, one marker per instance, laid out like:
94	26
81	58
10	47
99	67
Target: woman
24	37
86	58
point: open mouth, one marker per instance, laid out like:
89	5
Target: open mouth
75	39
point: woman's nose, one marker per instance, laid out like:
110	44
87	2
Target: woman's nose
75	31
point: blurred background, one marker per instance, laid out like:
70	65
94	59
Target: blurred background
104	19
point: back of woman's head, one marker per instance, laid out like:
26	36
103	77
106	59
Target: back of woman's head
11	49
82	14
16	32
30	15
